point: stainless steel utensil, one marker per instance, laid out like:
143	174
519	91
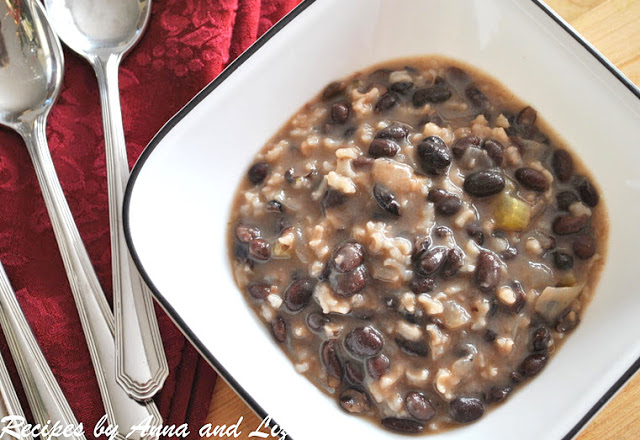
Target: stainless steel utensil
9	403
43	392
103	32
30	77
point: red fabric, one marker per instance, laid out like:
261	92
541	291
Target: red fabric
187	44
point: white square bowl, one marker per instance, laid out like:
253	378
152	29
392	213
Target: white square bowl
180	194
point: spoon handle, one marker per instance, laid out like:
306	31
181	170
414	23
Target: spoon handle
9	403
43	392
96	318
141	365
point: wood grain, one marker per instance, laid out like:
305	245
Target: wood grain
613	27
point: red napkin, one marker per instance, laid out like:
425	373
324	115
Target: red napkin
187	44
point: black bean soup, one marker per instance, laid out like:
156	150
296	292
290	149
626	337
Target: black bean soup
418	242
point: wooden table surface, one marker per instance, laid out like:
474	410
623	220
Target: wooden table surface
613	27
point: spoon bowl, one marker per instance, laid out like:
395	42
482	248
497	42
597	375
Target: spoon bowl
97	27
31	67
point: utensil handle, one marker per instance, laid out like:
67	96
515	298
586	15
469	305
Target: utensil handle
43	392
9	403
96	318
141	365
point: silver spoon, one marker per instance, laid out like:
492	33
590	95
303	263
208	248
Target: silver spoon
31	66
43	392
102	32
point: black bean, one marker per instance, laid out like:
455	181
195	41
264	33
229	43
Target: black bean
497	394
401	87
340	112
419	407
584	247
434	94
433	260
406	426
526	119
420	284
562	260
246	233
532	179
393	131
386	102
327	128
456	75
433	155
349	132
562	165
565	199
353	372
298	294
474	230
541	340
587	192
279	329
332	90
418	317
350	283
316	321
383	148
461	145
509	253
283	222
363	342
466	409
493	307
274	206
567	321
516	377
567	224
476	97
354	401
362	162
378	366
390	302
446	203
258	172
489	335
330	358
494	150
420	248
487	274
290	176
348	256
484	183
380	75
435	118
258	290
331	199
259	250
241	251
386	200
533	364
453	263
413	348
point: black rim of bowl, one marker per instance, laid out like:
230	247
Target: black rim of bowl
166	305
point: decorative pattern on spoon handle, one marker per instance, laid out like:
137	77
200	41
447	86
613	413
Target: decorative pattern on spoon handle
141	365
96	318
43	392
